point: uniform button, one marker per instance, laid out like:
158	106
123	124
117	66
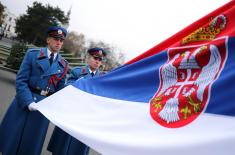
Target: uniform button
35	99
59	71
37	87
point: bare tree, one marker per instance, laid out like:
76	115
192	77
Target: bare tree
113	59
75	43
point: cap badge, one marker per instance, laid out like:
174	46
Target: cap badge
59	31
100	52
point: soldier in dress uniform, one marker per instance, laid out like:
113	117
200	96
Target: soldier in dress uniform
42	73
62	143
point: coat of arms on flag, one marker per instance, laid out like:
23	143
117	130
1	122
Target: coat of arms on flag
185	82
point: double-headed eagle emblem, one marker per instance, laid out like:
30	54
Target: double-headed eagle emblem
185	84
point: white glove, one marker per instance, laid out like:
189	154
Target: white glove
33	106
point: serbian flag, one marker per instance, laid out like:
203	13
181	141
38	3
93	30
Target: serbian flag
176	98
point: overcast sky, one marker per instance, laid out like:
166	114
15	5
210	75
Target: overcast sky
133	26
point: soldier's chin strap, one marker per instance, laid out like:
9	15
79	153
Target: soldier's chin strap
55	79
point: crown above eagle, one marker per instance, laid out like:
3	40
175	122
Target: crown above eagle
207	33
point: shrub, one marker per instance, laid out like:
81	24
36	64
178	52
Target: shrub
16	56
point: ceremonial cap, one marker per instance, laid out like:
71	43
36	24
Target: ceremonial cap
97	52
57	32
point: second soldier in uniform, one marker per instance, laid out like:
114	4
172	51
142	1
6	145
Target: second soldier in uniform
62	143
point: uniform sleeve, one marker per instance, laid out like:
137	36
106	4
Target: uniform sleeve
23	93
75	74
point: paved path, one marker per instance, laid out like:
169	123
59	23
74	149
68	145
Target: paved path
7	92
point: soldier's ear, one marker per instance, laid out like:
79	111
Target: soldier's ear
48	39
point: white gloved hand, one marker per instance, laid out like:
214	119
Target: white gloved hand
33	106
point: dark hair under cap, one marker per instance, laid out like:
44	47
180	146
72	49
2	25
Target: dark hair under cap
57	32
97	51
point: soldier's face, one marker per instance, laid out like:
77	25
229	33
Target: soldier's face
54	44
93	62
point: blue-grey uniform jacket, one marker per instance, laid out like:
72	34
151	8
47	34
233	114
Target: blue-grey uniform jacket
22	132
81	72
62	143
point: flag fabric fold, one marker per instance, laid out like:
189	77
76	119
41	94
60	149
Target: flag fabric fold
116	127
176	98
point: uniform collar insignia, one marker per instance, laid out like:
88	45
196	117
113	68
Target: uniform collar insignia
41	55
84	72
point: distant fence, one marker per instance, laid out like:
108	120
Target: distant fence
4	53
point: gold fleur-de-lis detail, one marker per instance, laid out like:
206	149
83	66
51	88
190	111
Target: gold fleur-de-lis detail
156	99
186	111
196	106
157	106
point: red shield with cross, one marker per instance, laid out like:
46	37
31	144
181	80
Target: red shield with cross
185	82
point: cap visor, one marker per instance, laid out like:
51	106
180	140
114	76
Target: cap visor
57	36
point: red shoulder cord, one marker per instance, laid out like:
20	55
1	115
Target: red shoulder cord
55	79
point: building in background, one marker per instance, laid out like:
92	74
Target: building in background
9	24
